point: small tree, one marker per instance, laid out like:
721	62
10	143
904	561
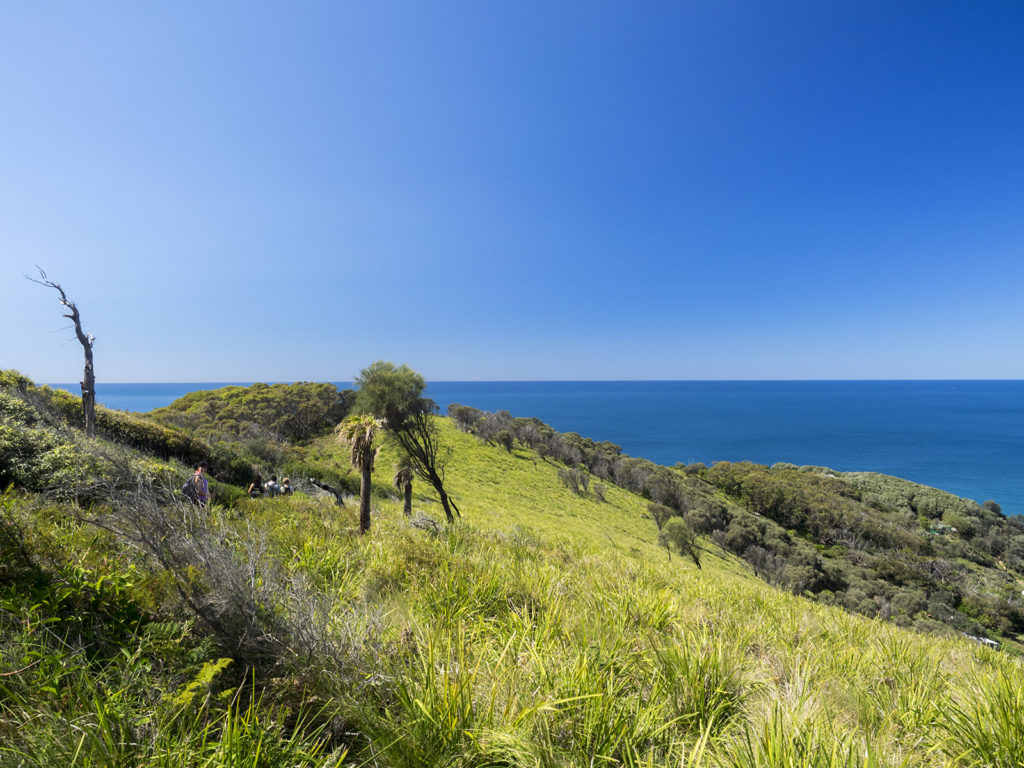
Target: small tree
660	514
993	506
572	479
676	534
504	439
394	394
360	434
86	340
420	440
403	482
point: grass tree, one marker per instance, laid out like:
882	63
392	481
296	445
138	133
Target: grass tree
361	434
403	482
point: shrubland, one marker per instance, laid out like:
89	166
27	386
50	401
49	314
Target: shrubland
878	545
547	627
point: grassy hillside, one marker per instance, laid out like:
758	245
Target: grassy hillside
545	628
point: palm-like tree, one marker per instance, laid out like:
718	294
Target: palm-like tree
360	434
403	482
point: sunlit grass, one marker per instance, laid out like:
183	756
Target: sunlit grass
543	629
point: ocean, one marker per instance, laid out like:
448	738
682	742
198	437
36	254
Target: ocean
965	437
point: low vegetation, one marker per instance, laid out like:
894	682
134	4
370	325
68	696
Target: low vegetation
548	626
873	544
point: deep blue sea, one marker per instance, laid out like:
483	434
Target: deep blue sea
966	437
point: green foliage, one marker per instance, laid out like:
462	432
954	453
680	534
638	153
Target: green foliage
712	515
35	459
660	514
33	455
392	394
465	417
993	506
875	544
575	480
388	391
202	683
282	412
676	535
781	742
505	439
361	433
39	434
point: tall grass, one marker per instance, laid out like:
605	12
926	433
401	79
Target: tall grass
72	711
986	726
547	630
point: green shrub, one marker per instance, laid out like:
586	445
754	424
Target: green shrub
36	459
290	412
676	535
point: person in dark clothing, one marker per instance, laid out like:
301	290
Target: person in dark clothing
197	488
256	487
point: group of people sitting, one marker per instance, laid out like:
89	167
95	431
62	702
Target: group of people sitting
258	489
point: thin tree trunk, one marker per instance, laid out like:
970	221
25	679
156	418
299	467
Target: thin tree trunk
364	499
446	503
407	505
88	385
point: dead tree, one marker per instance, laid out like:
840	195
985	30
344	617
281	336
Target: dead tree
89	377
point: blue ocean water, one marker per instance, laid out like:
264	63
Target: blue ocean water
966	437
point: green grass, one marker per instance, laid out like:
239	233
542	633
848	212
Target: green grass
544	629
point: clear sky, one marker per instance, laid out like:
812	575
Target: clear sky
239	191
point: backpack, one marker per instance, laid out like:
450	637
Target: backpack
189	489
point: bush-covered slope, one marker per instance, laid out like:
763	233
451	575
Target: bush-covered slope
284	412
874	544
40	439
880	546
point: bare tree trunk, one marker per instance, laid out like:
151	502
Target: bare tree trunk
407	505
86	340
88	381
364	499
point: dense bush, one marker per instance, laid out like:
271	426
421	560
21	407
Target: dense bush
875	544
287	412
35	459
38	444
33	455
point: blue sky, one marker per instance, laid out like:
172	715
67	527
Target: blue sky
519	190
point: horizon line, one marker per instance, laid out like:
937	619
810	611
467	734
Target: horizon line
553	381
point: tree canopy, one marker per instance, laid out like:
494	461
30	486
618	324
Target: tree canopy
295	412
389	392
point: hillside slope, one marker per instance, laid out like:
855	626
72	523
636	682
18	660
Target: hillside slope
546	628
